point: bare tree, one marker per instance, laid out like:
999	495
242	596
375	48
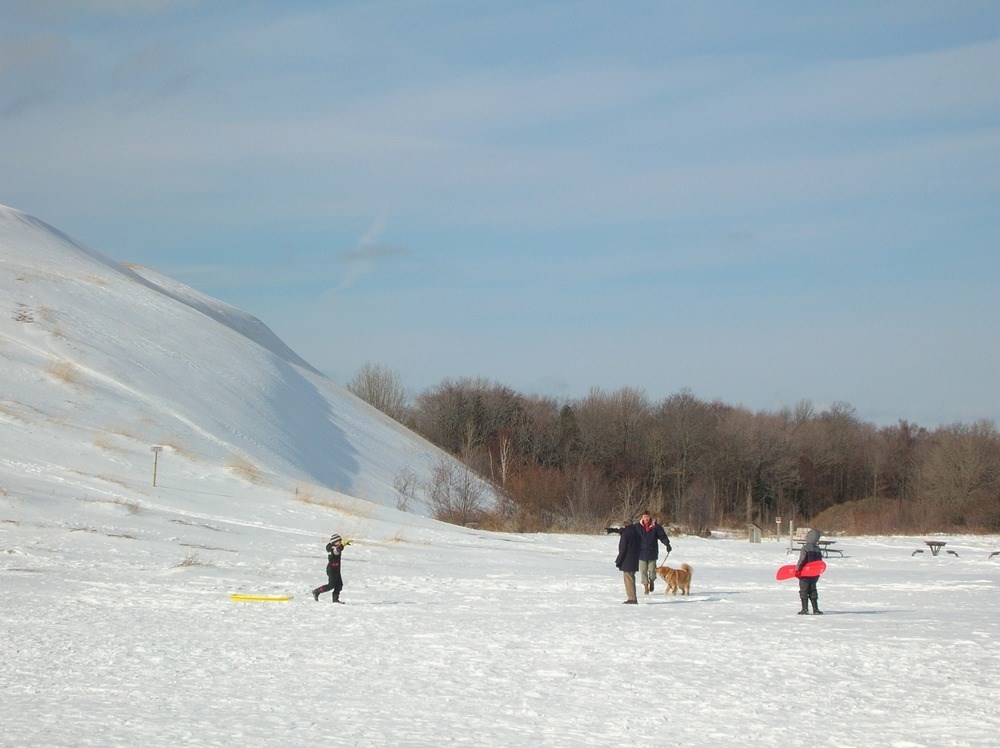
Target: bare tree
696	507
587	499
405	484
614	453
466	415
961	473
630	500
505	452
381	387
613	429
681	432
456	494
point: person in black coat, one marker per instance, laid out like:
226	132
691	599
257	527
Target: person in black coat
628	558
335	582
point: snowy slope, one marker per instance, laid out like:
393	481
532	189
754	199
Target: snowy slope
116	359
117	626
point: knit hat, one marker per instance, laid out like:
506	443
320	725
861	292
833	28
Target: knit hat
335	538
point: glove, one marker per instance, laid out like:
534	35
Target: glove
346	543
669	548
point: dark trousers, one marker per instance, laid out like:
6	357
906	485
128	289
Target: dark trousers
807	591
334	582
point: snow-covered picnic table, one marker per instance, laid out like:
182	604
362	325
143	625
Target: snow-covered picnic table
935	546
825	547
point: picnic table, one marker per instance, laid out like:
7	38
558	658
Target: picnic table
825	547
935	546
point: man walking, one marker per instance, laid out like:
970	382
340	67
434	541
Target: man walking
650	531
628	558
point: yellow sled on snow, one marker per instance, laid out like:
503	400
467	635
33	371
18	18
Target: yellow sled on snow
237	597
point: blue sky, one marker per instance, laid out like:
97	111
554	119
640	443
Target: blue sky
763	202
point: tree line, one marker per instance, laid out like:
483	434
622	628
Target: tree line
576	464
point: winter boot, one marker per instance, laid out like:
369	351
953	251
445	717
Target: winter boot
650	585
815	603
645	589
336	598
316	595
805	606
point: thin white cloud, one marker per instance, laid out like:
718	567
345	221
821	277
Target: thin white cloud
363	259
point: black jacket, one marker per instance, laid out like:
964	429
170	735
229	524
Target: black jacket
333	557
648	550
628	549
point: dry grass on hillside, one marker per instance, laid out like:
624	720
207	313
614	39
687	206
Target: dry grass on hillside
337	502
245	470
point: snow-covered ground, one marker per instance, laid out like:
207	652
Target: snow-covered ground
117	626
460	637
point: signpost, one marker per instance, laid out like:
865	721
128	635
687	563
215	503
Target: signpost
156	453
777	527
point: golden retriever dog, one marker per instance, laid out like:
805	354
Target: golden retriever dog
676	579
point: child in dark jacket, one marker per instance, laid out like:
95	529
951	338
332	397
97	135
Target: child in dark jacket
807	585
335	582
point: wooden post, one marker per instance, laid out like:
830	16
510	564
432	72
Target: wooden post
156	453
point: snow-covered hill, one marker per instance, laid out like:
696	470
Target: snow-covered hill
100	362
118	629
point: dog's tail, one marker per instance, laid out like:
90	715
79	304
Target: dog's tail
686	567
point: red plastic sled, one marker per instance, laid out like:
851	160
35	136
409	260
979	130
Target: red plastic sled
812	569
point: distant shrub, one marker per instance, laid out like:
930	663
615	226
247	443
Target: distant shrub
405	484
456	494
246	470
192	560
64	371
